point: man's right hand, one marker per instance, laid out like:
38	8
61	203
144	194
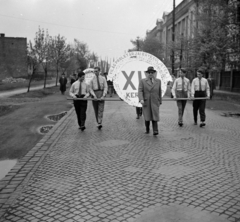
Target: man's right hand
142	102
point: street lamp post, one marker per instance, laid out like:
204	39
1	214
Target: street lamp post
173	36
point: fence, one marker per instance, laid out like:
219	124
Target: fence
230	81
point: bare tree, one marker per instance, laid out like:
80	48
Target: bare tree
32	61
60	53
42	50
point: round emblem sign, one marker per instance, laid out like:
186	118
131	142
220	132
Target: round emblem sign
89	74
128	70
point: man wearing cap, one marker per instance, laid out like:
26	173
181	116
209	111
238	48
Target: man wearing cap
80	89
98	89
200	88
150	96
181	89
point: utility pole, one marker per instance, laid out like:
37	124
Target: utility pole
173	36
138	44
181	52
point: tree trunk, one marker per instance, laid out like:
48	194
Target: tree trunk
57	76
45	77
30	80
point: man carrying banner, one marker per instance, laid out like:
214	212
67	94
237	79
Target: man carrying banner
150	96
200	88
80	89
98	89
181	89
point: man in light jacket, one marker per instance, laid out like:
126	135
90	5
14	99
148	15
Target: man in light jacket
181	89
200	88
79	89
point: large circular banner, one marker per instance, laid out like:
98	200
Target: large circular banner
127	71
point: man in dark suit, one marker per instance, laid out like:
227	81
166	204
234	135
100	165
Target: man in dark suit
63	83
150	96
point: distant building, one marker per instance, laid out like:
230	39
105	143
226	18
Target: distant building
13	57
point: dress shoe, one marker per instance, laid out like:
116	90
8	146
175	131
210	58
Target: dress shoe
137	117
155	133
180	124
195	123
100	126
202	124
147	132
83	128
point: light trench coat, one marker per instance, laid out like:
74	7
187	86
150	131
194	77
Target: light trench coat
151	94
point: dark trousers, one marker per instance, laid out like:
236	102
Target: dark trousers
139	111
154	126
199	105
80	108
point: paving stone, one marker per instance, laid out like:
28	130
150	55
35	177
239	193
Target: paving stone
123	175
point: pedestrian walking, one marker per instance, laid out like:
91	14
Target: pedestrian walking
200	88
98	90
73	78
138	112
181	89
80	89
171	84
63	83
211	83
150	96
110	87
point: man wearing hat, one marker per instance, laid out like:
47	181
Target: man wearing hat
80	89
181	89
200	88
150	96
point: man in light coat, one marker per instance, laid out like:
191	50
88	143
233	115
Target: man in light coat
181	89
150	96
200	88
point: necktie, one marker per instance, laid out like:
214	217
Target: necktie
98	82
80	89
151	80
200	86
182	84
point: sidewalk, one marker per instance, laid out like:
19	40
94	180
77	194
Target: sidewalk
22	90
187	174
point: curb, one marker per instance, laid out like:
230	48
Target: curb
13	183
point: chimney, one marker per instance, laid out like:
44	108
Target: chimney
2	35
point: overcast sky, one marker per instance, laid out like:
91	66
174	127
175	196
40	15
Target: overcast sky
107	26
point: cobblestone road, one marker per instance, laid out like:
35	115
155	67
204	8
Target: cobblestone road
187	174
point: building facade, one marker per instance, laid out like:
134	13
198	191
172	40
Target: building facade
13	57
185	28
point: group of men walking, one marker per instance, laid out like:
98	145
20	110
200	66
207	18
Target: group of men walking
183	89
149	94
97	89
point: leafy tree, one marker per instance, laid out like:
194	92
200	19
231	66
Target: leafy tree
150	44
82	53
60	53
215	37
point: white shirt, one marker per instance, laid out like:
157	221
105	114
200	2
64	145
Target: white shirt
177	86
75	88
204	86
